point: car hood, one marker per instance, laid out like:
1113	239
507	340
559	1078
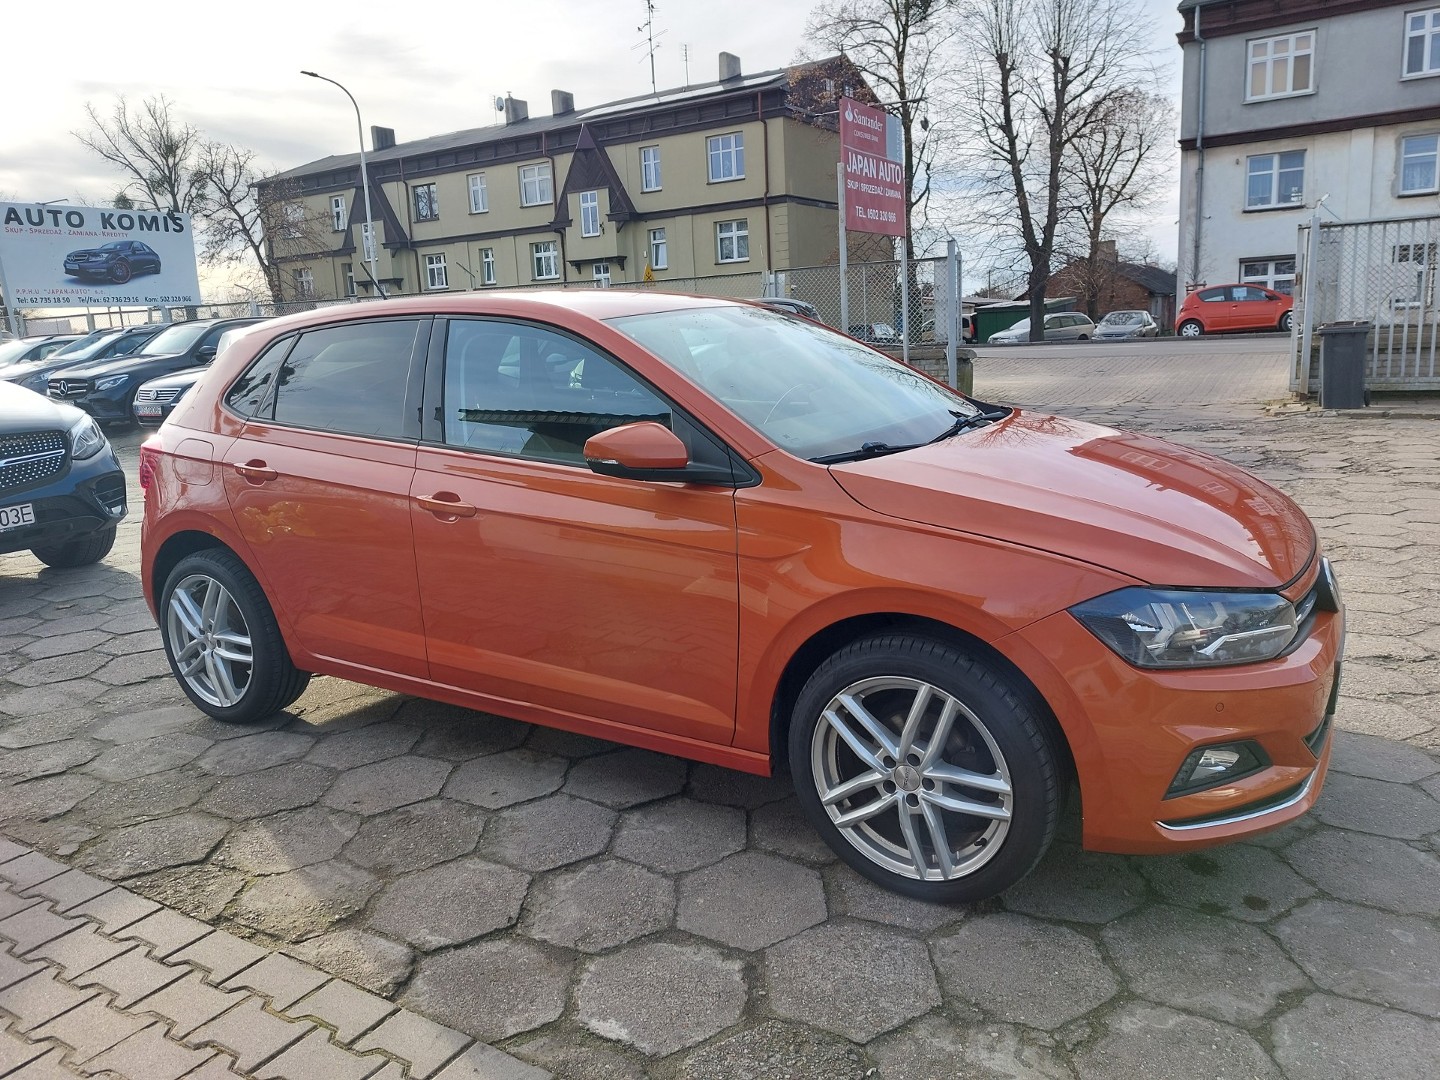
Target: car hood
1117	331
184	378
119	365
25	410
88	251
1160	513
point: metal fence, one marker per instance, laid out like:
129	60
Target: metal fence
1378	272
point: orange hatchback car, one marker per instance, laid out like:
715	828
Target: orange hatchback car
1227	308
724	533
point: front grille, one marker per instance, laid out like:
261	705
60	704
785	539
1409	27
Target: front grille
163	395
30	459
69	388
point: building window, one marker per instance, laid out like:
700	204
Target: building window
1422	42
601	271
304	283
727	156
589	213
1275	180
337	212
1281	66
479	200
427	207
543	261
649	168
293	221
535	185
367	236
436	276
487	266
1277	275
659	250
348	270
1419	155
732	241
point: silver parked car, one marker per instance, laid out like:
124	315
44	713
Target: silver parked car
1059	326
1125	325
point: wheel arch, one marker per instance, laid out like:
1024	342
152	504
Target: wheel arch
177	547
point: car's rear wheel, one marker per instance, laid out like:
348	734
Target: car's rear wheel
924	769
120	272
1084	337
82	551
1285	323
222	640
1191	328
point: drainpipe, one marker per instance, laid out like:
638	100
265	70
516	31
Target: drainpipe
1200	164
765	139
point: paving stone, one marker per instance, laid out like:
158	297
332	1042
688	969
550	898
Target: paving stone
30	869
369	960
222	955
250	1033
150	723
115	909
776	1051
457	734
1372	870
47	759
347	1009
287	841
548	833
39	999
11	903
134	668
130	976
258	794
600	905
730	787
1380	759
679	834
861	898
1374	806
154	845
48	727
580	1054
1078	886
188	1003
567	744
315	1056
450	904
35	925
51	698
491	990
56	669
750	900
660	997
424	1044
13	970
1051	974
81	641
937	1048
202	892
1161	1044
129	761
283	980
251	753
79	950
44	797
165	932
144	798
66	890
857	980
1241	881
149	1054
500	780
363	746
780	827
626	778
15	1052
302	903
373	789
1327	1037
1371	955
481	1062
1216	950
416	837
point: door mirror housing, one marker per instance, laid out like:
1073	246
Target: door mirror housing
647	451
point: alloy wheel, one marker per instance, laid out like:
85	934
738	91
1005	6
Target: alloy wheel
209	640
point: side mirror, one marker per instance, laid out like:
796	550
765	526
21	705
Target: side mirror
205	354
647	451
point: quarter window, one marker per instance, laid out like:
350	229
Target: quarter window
543	262
479	198
1422	42
487	266
535	187
589	213
337	213
436	275
1280	66
1275	180
250	396
726	154
659	250
349	378
732	241
427	207
650	168
1418	164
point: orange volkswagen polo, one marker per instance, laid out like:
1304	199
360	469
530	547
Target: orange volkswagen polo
726	533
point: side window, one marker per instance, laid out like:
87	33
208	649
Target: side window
349	378
512	388
1211	296
250	396
1249	293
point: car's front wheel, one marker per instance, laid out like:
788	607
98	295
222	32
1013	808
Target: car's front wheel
1285	323
924	769
120	272
1191	328
222	640
82	551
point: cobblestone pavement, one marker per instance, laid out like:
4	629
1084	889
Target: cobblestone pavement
605	913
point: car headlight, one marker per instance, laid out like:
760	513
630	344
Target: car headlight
1169	628
86	439
112	382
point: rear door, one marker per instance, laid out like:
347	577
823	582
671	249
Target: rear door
1254	309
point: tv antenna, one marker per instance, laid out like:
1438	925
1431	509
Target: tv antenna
648	29
685	56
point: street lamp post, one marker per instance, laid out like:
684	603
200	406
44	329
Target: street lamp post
370	247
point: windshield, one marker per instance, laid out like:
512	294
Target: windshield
82	349
1123	318
174	340
806	388
1021	327
114	245
13	349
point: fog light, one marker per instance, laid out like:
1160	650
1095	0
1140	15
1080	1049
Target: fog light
1209	766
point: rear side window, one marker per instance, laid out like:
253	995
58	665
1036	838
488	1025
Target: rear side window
1213	295
250	396
350	378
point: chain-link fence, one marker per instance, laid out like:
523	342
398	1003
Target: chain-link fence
875	297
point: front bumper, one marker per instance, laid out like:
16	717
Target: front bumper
113	404
87	497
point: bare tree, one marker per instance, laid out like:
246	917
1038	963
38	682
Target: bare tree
1044	74
154	149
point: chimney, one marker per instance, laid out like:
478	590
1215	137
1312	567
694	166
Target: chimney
516	110
729	66
1107	251
381	138
561	102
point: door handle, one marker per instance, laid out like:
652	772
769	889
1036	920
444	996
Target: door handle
446	504
256	472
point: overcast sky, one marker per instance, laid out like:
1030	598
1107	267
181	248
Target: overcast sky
423	69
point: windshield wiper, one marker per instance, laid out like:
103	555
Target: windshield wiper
964	422
867	450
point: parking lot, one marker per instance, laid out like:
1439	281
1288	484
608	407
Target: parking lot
602	912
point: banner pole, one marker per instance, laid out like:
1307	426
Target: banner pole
905	299
9	302
844	255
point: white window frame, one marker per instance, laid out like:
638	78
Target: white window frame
337	213
659	250
1279	50
650	178
304	280
437	274
1273	279
536	188
725	157
600	271
367	240
544	261
433	200
1407	155
348	269
737	232
487	266
479	196
1274	171
589	213
1429	33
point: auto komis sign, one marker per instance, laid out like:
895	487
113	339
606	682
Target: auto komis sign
870	148
78	256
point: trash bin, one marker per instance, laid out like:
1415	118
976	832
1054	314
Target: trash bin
1342	365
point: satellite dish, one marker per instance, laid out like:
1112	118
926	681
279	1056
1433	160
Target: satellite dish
499	104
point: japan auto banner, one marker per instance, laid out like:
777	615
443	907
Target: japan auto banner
871	151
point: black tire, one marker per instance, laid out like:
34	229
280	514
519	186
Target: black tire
1084	337
1191	328
82	551
120	272
997	737
269	681
1285	323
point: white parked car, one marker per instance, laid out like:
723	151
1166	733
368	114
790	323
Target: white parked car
1059	326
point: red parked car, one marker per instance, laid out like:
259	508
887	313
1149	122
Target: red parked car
1223	308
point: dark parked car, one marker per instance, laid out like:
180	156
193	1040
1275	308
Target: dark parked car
23	350
35	375
117	261
106	389
794	307
1126	325
878	333
61	488
156	399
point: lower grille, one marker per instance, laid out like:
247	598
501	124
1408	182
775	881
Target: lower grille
30	459
111	492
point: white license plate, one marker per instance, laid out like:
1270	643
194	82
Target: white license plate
147	410
13	517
